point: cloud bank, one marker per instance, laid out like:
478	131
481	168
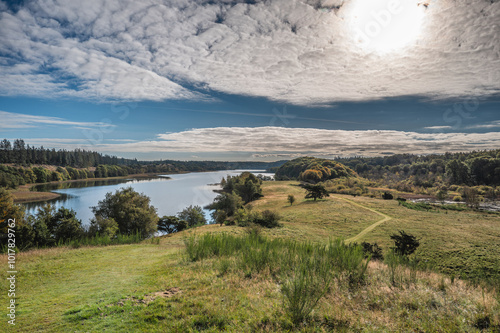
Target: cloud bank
280	142
292	51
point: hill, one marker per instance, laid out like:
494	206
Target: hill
313	169
153	286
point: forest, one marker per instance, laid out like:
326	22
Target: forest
24	164
406	170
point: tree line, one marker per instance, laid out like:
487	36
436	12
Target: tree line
24	164
473	168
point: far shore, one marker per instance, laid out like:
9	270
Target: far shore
23	193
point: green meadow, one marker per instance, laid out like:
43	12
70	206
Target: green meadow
298	277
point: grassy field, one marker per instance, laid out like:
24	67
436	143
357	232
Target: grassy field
154	287
463	242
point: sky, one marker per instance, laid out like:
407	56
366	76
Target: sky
251	80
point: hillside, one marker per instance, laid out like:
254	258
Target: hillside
153	286
312	169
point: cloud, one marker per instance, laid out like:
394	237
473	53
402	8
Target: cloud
17	120
265	142
300	52
493	124
438	127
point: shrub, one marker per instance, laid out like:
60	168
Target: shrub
372	251
301	293
457	198
131	210
387	196
405	244
193	215
104	227
267	219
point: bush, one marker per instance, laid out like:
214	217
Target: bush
193	215
131	210
267	219
372	251
305	270
405	244
104	227
171	224
387	196
302	292
457	198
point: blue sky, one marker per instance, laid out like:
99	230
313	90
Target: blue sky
230	80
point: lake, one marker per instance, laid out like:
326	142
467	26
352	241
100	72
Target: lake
169	193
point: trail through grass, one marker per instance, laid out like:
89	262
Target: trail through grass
371	227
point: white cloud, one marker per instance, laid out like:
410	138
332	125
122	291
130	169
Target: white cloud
438	127
10	120
287	50
282	142
493	124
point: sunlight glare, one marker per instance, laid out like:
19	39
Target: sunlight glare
384	26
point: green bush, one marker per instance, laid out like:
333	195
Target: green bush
304	269
267	219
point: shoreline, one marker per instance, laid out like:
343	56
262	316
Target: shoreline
23	193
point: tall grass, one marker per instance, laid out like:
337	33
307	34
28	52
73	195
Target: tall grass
304	270
103	240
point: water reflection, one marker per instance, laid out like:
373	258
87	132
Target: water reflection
168	195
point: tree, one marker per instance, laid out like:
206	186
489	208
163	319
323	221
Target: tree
229	203
387	196
442	194
9	210
250	190
131	210
171	224
458	172
104	227
316	191
246	185
291	199
193	215
471	197
64	225
405	244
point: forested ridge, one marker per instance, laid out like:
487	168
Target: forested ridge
312	169
24	164
471	168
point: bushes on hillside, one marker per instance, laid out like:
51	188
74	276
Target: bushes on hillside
49	227
131	211
312	169
236	192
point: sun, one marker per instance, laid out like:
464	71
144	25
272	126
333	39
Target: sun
384	26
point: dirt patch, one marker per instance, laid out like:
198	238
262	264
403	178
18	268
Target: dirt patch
148	298
167	293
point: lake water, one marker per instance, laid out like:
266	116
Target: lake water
169	196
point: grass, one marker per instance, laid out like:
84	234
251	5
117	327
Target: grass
241	284
25	195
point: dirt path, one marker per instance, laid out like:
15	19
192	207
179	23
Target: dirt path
371	227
